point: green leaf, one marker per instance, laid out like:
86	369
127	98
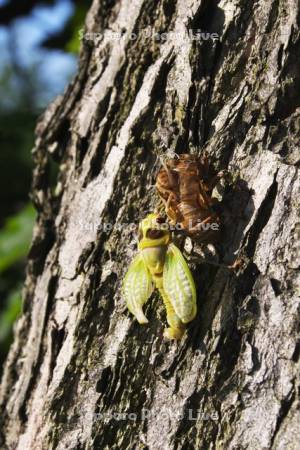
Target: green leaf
9	315
77	23
15	237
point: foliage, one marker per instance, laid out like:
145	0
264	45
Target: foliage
21	99
73	45
15	237
8	316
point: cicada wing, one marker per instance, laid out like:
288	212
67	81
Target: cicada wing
137	288
179	285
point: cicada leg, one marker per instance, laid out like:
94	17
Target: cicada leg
160	208
199	227
172	209
205	201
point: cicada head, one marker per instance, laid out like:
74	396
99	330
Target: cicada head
153	232
186	165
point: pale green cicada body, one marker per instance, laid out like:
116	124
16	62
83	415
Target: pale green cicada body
160	264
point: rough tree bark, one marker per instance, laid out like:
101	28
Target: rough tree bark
77	352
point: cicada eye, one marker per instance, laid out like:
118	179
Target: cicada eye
154	234
160	219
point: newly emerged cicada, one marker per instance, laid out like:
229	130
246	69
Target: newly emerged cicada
185	186
160	264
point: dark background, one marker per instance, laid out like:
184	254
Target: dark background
39	44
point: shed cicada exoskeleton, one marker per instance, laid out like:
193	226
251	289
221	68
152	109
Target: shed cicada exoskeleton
160	264
185	186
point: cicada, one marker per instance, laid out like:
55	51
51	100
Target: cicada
185	186
160	264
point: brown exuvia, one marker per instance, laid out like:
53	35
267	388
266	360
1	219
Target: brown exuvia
185	186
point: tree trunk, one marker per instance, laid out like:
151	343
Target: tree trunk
79	358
